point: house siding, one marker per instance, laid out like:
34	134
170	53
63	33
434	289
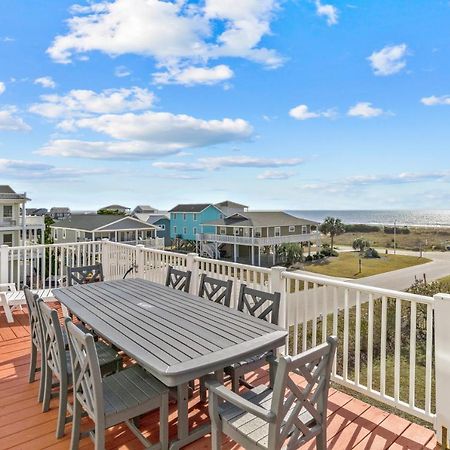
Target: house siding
182	224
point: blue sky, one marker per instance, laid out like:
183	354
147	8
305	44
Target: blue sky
302	104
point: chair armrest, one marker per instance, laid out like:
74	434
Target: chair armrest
221	391
9	287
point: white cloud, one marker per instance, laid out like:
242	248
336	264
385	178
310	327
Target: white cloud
168	130
302	112
218	162
122	71
275	175
2	87
37	170
434	100
9	121
364	110
80	102
389	60
330	12
46	82
176	34
194	75
75	148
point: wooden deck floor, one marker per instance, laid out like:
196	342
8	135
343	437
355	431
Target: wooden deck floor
351	423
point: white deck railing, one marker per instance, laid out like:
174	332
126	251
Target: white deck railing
249	240
378	329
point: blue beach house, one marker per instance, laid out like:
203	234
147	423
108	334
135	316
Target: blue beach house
186	220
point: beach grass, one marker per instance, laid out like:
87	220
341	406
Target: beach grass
346	265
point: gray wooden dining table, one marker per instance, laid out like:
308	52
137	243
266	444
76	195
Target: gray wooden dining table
176	336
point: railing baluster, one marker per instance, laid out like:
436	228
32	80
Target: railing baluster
314	321
383	346
357	336
370	344
346	329
429	358
398	317
412	355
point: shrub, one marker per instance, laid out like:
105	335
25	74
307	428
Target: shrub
328	252
309	258
361	228
371	253
398	230
361	244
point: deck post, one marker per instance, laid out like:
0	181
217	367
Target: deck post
106	259
192	265
442	363
278	284
140	261
4	250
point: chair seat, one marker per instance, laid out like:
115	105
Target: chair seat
247	424
131	389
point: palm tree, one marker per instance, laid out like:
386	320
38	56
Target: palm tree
333	227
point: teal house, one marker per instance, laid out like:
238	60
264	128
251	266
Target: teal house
187	220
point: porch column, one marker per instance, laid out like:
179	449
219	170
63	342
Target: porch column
252	248
93	236
216	250
309	248
273	253
259	255
115	236
234	252
24	223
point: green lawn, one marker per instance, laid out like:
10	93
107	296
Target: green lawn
347	265
445	280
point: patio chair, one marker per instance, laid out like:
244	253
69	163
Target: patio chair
84	274
36	335
57	362
114	399
218	291
283	417
178	279
265	306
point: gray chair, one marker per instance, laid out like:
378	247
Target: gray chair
178	279
265	306
283	417
57	363
84	274
218	291
117	398
36	341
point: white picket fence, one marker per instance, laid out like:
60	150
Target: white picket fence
378	353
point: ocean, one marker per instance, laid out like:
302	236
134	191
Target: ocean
403	217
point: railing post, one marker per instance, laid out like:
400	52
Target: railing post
4	250
106	258
140	266
442	366
192	265
278	284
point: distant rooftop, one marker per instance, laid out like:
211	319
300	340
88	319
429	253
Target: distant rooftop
7	193
116	208
191	207
262	219
230	204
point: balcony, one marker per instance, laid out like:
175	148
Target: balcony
258	241
393	346
30	222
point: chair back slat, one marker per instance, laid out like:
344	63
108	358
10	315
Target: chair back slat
55	352
87	381
218	291
260	304
84	274
301	405
34	317
178	279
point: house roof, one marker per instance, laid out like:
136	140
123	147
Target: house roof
7	193
114	207
262	219
150	218
230	204
145	208
59	209
101	222
191	207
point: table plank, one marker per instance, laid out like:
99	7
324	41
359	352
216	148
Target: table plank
174	335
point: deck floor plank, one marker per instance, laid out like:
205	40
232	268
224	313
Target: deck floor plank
351	422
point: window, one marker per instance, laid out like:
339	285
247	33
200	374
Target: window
174	215
304	229
162	226
55	234
194	230
78	236
223	230
184	230
7	211
258	232
194	216
8	239
277	231
64	233
291	228
174	230
184	216
236	231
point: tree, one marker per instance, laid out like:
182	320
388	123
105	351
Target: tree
110	212
361	244
332	227
291	253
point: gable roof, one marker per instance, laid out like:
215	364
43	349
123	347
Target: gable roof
262	219
230	204
7	193
191	207
145	208
150	218
101	222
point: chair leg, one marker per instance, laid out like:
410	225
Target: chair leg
33	358
235	382
99	437
164	422
203	396
321	441
76	421
62	412
43	377
216	436
47	390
